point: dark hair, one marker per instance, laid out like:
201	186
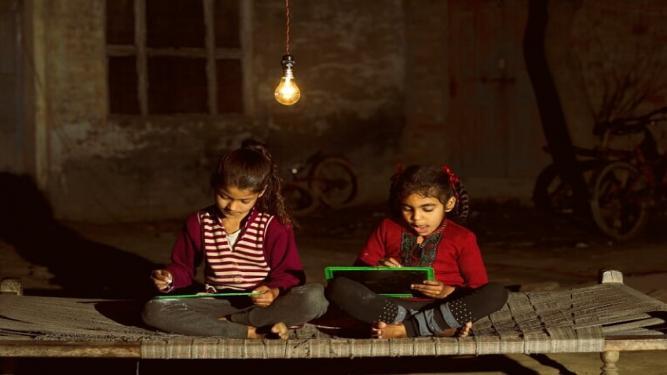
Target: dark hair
429	181
251	167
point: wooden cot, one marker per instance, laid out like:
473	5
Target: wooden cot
608	318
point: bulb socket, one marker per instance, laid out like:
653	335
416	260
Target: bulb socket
287	61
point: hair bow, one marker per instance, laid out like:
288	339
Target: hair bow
453	178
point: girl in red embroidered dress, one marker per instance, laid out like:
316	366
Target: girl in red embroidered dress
420	232
247	244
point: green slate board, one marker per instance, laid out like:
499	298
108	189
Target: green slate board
388	281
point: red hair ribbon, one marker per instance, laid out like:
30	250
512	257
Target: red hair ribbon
453	178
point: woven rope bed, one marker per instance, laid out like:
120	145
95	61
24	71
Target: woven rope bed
607	318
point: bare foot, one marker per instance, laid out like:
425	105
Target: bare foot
465	330
382	330
281	330
252	333
278	330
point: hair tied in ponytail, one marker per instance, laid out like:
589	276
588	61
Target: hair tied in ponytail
259	147
251	144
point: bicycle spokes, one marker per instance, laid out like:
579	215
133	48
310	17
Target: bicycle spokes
619	201
298	199
334	182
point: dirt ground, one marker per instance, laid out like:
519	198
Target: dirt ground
523	249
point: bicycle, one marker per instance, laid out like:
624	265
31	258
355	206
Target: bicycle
554	195
626	191
601	165
323	180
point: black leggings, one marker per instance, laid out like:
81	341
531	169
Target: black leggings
421	318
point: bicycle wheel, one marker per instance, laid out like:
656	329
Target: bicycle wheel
298	199
334	181
619	201
553	195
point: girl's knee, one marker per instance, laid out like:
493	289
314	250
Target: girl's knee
312	299
152	312
338	289
496	295
156	312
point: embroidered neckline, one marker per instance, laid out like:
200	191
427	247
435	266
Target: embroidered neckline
421	254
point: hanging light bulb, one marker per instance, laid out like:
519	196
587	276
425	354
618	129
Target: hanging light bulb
287	92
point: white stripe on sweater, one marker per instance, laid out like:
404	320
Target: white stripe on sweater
241	267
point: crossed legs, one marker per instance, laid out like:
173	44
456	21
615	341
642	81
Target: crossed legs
392	317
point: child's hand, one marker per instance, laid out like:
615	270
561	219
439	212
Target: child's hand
433	289
389	262
162	280
263	296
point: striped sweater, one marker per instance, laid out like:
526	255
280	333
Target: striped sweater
264	254
240	267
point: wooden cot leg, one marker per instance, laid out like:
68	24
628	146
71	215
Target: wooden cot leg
611	277
609	360
9	286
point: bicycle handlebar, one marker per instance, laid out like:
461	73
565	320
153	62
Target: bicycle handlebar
631	125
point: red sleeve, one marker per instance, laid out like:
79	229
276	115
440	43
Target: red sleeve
186	253
376	246
471	263
282	256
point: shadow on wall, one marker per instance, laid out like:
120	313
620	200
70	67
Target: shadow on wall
341	132
83	268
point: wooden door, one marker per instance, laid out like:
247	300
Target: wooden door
12	139
493	124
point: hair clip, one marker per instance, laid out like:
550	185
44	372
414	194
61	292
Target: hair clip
453	178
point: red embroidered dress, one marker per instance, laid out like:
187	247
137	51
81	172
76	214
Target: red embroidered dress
451	250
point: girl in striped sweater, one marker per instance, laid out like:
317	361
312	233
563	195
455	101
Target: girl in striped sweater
247	244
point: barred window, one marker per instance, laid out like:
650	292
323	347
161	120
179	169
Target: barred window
175	56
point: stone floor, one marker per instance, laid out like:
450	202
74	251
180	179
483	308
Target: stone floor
522	248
